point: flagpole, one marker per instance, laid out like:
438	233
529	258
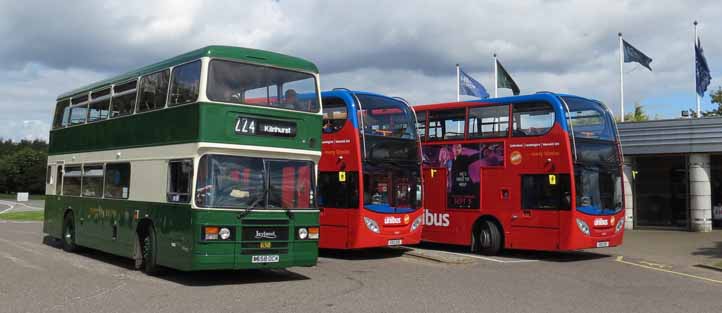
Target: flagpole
696	40
458	91
496	78
621	78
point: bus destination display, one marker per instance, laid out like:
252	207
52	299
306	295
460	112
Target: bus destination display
264	127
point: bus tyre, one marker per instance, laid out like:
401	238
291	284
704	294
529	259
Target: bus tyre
149	252
488	238
69	233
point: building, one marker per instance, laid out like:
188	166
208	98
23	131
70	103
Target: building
673	173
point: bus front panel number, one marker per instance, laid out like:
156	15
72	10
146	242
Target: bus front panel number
245	125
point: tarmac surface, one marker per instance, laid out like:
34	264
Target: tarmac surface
7	205
38	277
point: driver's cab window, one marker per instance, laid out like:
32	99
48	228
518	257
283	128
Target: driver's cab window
334	114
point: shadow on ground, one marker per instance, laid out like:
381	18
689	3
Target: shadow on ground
363	254
199	278
713	252
550	256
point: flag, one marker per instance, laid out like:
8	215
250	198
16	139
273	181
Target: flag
504	80
631	54
703	76
471	87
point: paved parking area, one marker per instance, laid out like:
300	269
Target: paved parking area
36	277
10	205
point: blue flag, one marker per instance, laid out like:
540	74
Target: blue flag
703	76
632	54
471	87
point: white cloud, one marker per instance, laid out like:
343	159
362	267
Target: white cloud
405	48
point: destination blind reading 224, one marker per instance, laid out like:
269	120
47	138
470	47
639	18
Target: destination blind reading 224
264	127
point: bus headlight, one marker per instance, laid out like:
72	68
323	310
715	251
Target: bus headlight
313	233
583	226
371	225
302	233
417	222
620	225
225	233
216	233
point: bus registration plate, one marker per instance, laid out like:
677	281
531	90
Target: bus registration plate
395	242
264	259
602	244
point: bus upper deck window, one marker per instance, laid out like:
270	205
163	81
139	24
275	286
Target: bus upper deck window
334	114
531	119
184	85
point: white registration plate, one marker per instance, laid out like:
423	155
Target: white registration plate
395	242
264	259
602	244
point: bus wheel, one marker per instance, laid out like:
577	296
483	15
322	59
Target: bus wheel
69	233
149	250
488	238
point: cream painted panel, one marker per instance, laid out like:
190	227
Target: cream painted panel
148	180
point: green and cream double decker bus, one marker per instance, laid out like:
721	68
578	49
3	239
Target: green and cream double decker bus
203	161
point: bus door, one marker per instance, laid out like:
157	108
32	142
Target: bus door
436	217
535	218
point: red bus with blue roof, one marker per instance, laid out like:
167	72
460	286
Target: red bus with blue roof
369	183
536	172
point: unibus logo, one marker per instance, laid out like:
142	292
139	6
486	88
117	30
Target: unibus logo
392	220
436	219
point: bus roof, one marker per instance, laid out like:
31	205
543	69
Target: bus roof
551	97
245	54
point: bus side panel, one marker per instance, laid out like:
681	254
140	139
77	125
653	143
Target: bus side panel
436	218
174	234
53	223
334	228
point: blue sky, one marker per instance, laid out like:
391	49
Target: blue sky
401	48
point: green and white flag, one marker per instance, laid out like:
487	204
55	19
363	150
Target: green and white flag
504	80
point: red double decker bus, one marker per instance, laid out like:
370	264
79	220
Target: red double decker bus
369	179
537	172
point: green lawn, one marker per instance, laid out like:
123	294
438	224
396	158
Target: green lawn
12	196
23	216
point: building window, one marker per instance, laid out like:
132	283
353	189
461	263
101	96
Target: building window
185	83
117	180
153	91
49	175
550	192
489	121
93	181
72	181
180	173
531	119
446	124
123	99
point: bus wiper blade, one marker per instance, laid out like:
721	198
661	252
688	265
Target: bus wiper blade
253	205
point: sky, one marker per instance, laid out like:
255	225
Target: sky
398	48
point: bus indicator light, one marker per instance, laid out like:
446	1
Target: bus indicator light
552	179
342	176
265	245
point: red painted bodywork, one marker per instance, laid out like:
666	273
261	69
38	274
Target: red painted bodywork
344	228
550	230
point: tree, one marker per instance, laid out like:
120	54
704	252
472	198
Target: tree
716	99
638	115
22	166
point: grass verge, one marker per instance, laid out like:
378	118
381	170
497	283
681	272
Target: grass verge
23	216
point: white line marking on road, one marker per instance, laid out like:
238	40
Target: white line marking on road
13	204
487	258
620	259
